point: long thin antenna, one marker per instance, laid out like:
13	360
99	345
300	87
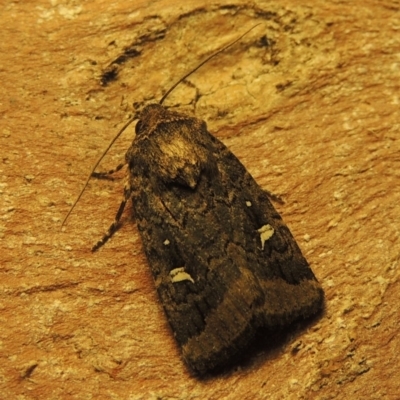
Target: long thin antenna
136	117
203	62
95	166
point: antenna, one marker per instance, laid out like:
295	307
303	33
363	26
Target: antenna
203	62
96	165
137	115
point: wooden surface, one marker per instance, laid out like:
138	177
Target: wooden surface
313	113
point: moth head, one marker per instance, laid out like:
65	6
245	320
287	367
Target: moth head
149	118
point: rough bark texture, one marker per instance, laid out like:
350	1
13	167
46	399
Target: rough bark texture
315	120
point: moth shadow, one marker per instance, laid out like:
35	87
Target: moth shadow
266	346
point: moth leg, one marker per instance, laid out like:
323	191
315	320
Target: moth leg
114	226
274	197
107	174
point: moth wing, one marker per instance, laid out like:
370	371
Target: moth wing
223	261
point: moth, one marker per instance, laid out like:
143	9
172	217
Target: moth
224	263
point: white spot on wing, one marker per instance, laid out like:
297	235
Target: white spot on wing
266	233
248	203
166	242
179	275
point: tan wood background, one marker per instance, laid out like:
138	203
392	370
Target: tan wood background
313	113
